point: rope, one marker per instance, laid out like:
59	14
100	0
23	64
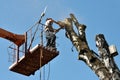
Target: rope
43	72
41	53
72	48
40	64
33	37
32	27
48	77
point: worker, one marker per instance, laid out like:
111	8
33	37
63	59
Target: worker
50	33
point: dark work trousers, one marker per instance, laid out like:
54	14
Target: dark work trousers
51	39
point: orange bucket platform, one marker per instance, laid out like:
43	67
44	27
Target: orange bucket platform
33	60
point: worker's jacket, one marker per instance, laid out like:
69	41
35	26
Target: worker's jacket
49	30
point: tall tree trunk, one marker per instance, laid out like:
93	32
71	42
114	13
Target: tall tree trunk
103	64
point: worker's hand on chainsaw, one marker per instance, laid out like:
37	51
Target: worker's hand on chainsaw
61	24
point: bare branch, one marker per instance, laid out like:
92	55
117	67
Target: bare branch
103	64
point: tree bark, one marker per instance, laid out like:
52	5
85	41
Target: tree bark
103	65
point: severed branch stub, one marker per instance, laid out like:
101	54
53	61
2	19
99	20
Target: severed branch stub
103	64
107	57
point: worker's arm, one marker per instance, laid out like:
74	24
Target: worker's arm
59	23
57	30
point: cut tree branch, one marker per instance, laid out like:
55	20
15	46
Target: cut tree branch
103	65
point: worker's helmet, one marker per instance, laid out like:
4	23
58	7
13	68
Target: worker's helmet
49	20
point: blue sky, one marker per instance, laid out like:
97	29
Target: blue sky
100	16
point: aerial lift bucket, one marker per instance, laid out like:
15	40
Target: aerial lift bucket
34	59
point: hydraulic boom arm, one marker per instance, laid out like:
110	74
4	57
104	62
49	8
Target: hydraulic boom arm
15	38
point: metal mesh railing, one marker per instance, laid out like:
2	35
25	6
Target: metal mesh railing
34	36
